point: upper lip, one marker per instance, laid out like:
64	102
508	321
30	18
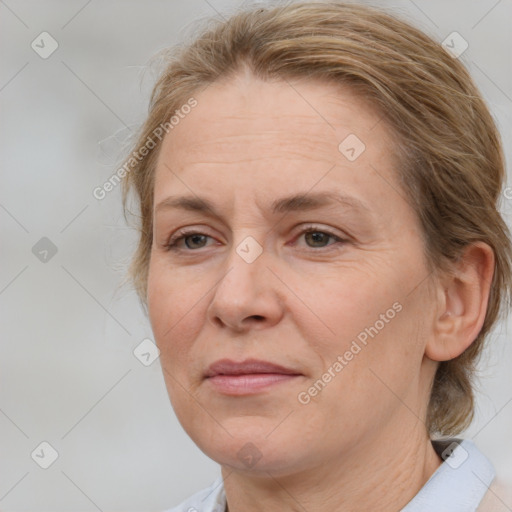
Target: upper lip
229	367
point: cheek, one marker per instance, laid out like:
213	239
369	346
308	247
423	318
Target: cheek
173	306
348	299
377	327
375	371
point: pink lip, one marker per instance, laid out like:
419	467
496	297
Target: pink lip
247	377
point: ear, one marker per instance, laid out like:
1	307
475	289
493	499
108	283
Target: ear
462	303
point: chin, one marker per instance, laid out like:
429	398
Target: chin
252	450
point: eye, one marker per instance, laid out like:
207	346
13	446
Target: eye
192	240
314	236
317	237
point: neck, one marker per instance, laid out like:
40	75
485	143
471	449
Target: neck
380	476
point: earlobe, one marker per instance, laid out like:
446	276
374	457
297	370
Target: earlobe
462	298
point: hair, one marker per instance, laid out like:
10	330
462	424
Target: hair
450	158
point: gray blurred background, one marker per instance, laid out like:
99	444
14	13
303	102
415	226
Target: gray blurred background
68	373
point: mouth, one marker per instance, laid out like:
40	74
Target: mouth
247	377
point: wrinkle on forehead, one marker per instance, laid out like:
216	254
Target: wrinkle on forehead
263	146
284	137
306	122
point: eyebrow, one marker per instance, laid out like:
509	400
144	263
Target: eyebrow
297	202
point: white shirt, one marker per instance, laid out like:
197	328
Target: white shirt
458	485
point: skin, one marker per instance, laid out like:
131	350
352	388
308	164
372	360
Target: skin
361	443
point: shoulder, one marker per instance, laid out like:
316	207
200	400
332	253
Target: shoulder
498	498
209	499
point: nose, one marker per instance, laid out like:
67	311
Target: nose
247	295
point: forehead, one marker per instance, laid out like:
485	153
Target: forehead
249	147
246	134
245	115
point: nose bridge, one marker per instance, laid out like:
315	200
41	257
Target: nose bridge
246	289
245	265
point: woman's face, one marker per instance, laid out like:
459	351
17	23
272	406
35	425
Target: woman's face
331	287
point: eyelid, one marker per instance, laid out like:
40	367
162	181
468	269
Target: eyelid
340	239
304	228
183	233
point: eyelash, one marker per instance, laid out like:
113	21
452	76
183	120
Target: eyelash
172	244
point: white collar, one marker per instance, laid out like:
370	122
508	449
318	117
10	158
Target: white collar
458	485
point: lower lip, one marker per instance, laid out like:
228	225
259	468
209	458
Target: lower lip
248	383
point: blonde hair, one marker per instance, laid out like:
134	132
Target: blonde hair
450	154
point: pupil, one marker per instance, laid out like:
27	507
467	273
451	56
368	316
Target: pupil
194	239
317	236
